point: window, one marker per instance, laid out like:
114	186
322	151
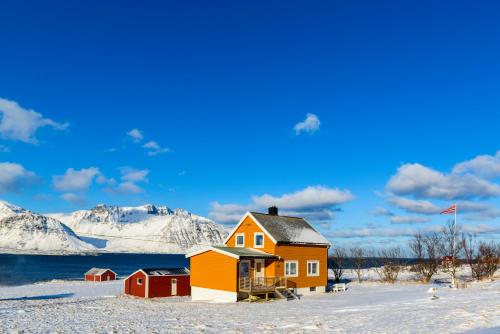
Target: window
258	240
240	240
312	289
291	268
313	268
139	281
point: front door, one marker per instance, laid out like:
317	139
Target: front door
259	271
174	286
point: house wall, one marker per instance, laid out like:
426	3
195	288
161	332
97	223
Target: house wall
108	275
212	270
89	277
249	227
219	296
161	286
134	289
303	253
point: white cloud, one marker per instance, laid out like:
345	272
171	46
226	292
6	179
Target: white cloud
409	219
13	177
135	134
153	148
309	125
129	179
370	232
75	180
227	213
134	175
393	232
415	206
129	188
486	166
316	203
73	198
21	124
381	211
310	197
423	182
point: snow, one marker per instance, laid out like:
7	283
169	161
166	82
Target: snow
63	306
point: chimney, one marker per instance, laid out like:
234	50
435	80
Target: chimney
273	211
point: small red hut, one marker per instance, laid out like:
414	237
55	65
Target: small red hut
100	274
152	283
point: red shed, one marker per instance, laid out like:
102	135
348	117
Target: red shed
100	274
152	283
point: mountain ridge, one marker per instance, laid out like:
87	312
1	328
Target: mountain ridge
107	228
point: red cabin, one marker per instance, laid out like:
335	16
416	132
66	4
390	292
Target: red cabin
152	283
100	274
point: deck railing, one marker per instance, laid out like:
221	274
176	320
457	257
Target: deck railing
270	283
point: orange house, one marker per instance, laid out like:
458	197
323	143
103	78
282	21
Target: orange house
264	254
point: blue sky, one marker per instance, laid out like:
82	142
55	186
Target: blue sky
215	91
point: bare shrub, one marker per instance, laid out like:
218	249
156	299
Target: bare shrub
392	264
357	255
338	262
489	257
427	251
482	258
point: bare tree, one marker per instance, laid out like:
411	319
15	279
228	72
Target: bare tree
451	248
489	257
427	251
338	262
470	250
391	264
357	255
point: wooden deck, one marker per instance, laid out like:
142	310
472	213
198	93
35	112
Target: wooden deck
261	284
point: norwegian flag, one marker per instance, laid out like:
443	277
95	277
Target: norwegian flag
450	210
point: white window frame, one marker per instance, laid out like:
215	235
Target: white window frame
139	280
255	240
296	266
236	239
317	267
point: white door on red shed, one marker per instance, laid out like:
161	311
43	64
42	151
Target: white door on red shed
174	286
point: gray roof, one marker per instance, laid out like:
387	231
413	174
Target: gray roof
97	271
290	229
165	271
245	252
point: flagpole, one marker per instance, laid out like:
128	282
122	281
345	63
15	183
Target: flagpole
454	246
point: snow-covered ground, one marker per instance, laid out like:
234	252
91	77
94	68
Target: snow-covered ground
87	307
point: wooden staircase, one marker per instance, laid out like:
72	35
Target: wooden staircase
285	293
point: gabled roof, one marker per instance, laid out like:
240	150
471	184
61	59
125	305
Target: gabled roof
285	229
165	271
98	271
235	252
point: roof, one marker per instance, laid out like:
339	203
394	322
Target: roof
236	252
98	271
289	229
165	271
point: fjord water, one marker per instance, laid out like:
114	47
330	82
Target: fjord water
18	269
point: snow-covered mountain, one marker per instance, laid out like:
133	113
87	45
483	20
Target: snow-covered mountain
22	230
146	228
7	209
